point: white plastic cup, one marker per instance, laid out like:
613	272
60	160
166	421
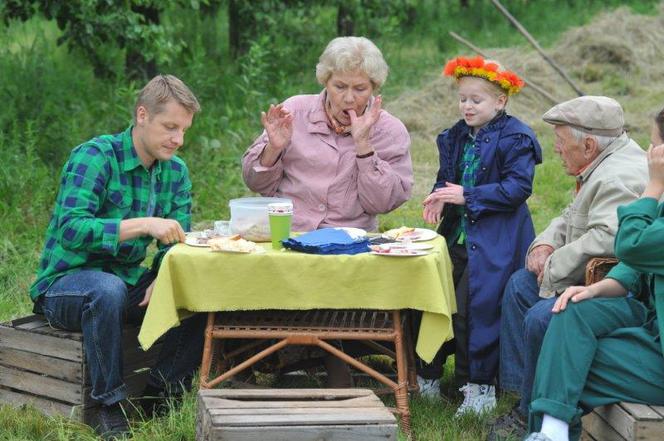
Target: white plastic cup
222	228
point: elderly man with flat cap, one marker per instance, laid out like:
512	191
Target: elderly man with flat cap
610	170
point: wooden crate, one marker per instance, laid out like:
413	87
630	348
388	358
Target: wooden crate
624	422
45	367
293	415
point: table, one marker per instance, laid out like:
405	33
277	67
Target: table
196	280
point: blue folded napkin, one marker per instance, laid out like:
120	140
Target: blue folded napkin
327	241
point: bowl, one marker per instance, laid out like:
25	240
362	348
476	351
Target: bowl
249	217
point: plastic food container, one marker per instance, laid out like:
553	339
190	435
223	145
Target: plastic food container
249	217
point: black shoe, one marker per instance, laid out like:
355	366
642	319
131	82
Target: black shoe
511	426
156	402
110	422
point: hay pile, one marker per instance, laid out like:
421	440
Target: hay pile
619	54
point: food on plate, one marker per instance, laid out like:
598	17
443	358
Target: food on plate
234	244
393	249
252	229
401	233
200	237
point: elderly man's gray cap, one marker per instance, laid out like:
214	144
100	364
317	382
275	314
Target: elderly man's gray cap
596	115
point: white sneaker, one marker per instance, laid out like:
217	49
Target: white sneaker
478	398
429	388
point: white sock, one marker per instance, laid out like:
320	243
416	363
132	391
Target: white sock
557	430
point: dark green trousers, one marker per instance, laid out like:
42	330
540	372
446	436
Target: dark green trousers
597	352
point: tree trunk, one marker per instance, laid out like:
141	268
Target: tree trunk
234	28
137	67
345	25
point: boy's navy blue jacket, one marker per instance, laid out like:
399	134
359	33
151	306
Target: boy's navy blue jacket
499	228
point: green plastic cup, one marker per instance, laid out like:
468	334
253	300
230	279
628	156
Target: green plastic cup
280	214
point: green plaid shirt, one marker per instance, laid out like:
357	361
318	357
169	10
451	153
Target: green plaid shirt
468	166
102	183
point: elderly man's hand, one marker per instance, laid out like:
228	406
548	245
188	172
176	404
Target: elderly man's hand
360	126
536	260
278	123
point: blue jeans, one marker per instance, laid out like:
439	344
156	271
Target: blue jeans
97	304
525	318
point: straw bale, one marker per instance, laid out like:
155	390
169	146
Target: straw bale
617	54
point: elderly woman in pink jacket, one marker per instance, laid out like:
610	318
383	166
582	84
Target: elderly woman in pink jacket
337	155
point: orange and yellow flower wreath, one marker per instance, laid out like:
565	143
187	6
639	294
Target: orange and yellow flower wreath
477	67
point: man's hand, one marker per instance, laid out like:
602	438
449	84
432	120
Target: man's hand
360	126
148	295
166	231
536	260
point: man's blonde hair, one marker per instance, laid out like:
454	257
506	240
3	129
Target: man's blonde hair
348	54
160	90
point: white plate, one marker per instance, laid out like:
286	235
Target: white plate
394	253
258	250
411	246
192	239
355	233
419	235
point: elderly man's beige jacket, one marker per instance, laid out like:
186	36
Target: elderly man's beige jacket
587	227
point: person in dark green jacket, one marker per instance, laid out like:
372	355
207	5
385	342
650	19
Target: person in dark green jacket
608	349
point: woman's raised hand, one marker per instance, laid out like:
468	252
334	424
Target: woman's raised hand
278	123
360	126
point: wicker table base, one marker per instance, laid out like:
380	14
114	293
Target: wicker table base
315	328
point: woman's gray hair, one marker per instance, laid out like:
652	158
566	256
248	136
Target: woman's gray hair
347	54
602	141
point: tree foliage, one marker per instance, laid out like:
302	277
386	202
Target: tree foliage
248	19
103	29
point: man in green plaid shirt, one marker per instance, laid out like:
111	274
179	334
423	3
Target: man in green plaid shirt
117	194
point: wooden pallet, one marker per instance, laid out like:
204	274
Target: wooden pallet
45	367
293	415
624	422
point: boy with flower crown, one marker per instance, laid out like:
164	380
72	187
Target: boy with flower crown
487	163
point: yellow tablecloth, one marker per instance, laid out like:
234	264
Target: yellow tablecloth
195	279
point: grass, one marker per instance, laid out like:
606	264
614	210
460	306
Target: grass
53	102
